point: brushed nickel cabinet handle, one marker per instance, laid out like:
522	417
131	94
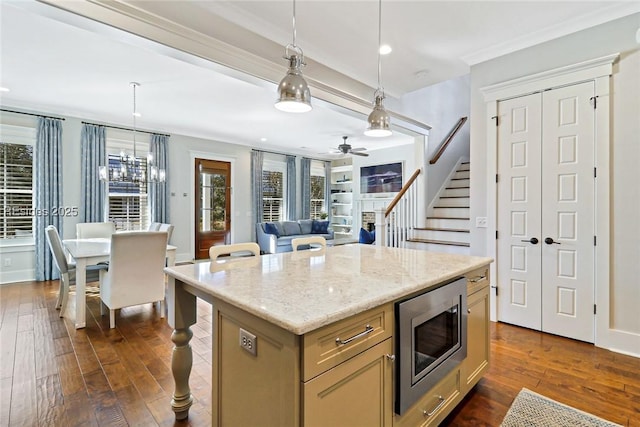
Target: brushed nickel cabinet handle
441	401
477	279
391	357
367	330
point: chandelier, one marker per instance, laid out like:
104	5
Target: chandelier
129	168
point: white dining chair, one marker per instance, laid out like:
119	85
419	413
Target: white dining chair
136	271
167	228
94	230
154	226
219	250
67	269
308	242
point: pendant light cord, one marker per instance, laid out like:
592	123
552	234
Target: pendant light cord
379	44
294	23
134	84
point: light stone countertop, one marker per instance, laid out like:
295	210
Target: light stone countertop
303	291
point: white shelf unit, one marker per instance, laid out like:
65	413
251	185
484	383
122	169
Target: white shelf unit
342	200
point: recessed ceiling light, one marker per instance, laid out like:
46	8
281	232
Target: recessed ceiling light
385	49
263	139
4	89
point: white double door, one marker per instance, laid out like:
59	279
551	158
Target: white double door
545	246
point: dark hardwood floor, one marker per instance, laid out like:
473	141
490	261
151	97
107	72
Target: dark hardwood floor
53	375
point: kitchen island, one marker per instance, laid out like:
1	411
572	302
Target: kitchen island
307	338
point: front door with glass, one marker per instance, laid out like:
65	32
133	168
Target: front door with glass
213	205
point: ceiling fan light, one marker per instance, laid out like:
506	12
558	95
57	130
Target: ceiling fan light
294	95
379	120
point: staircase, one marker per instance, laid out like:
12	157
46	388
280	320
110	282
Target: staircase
447	227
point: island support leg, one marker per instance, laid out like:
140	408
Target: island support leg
182	314
181	362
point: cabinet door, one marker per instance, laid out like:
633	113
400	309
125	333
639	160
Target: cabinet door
357	392
477	360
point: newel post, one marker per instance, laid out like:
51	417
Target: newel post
381	227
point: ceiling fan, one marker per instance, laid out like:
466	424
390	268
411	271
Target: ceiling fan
345	148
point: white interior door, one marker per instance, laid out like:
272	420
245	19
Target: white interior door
546	192
568	258
519	214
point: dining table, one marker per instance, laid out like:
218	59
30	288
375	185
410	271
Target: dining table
87	252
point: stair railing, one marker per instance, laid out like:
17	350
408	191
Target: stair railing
396	224
447	140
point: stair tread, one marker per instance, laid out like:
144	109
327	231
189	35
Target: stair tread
455	230
454	188
445	217
451	207
439	242
460	179
454	197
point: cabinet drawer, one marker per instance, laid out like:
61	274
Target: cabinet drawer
435	405
321	351
477	279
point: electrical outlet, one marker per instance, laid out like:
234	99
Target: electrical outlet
249	342
481	222
7	262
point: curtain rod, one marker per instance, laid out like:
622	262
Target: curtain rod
31	114
286	154
123	128
273	152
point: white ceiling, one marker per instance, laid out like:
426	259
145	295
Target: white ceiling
75	70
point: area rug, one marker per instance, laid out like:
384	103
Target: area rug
533	410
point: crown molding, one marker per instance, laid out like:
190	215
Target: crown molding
553	32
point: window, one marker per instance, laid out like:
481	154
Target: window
128	200
274	176
16	182
317	189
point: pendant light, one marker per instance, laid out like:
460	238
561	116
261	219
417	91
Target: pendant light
293	92
129	168
379	120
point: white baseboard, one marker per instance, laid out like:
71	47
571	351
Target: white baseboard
620	342
17	276
184	257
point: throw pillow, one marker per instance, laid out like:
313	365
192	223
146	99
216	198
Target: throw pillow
319	227
270	228
367	237
290	228
305	226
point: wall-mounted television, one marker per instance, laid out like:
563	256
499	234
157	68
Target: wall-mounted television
376	179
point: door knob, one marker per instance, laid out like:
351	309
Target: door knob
549	241
532	240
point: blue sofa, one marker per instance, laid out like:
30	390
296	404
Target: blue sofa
275	237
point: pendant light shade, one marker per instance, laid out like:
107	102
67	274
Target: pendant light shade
293	92
379	120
